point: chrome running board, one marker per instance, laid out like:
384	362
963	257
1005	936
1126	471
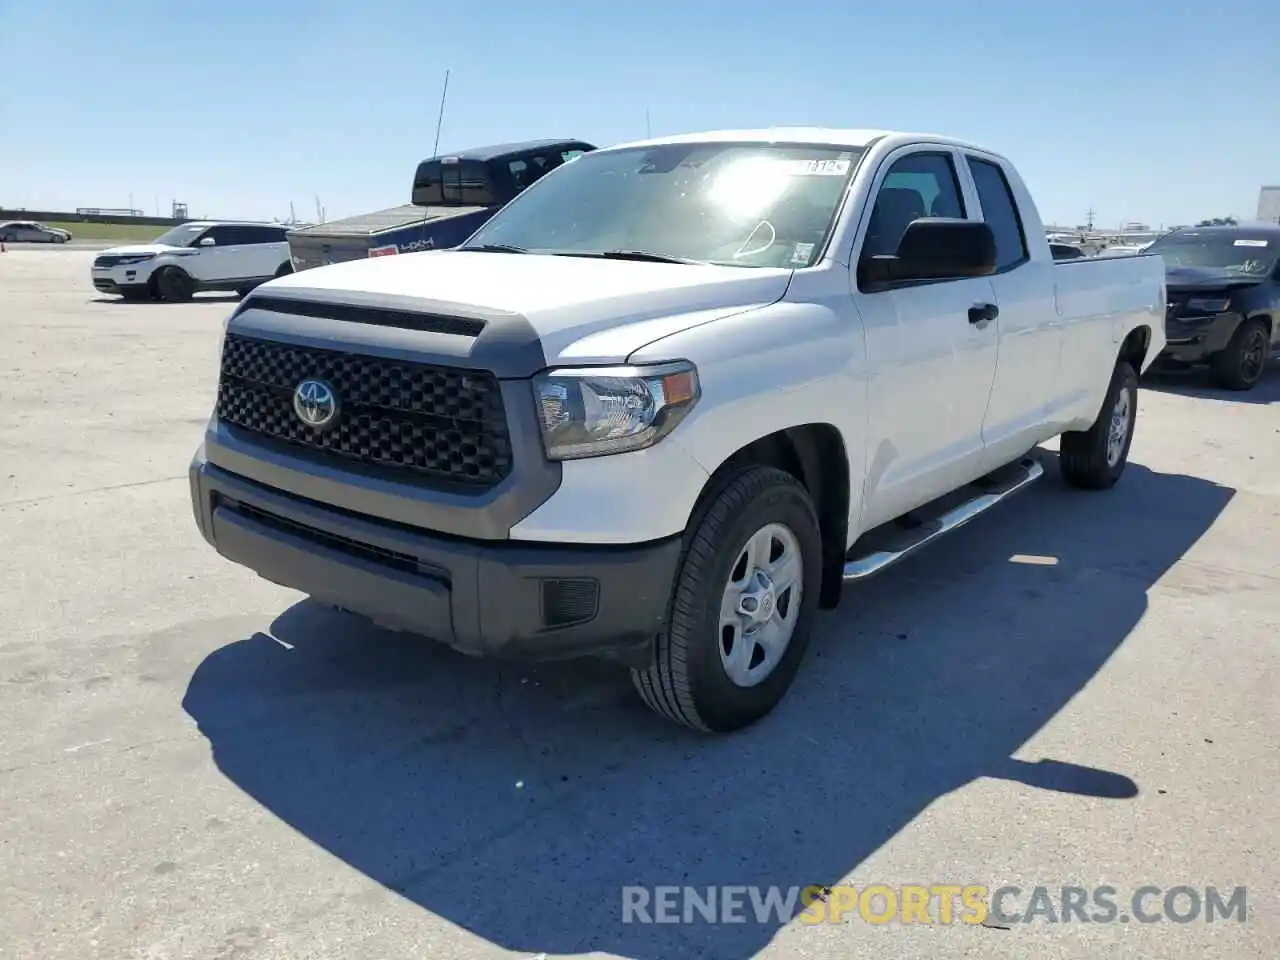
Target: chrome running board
907	539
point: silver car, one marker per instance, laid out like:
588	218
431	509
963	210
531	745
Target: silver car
29	231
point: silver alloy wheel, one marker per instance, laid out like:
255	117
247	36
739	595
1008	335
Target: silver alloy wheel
1118	430
761	605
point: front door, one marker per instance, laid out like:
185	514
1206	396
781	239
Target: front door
931	360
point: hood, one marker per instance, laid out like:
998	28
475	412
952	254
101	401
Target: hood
1205	278
583	310
137	248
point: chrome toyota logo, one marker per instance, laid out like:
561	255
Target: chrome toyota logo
315	403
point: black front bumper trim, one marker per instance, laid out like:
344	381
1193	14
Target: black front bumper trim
516	600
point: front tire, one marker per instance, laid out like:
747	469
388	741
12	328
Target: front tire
744	602
1094	459
1240	365
174	286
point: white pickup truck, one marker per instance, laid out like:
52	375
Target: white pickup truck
668	400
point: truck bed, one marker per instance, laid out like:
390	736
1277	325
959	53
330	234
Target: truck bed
401	229
378	221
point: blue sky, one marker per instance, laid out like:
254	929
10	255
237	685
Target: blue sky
1161	112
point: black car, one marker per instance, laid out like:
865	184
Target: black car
1224	299
1065	251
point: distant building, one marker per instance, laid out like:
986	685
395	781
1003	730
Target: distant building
1269	204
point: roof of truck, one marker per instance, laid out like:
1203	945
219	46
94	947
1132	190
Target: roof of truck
496	150
833	136
1264	228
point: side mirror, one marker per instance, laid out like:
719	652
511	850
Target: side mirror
934	248
206	242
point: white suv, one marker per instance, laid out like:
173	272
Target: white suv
192	257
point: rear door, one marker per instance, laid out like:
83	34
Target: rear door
266	248
932	365
1030	329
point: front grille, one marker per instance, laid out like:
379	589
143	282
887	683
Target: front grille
440	423
111	260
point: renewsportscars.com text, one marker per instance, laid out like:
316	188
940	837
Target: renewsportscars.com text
939	903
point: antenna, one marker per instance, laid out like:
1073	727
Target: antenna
440	119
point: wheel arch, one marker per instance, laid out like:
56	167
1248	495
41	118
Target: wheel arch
1267	316
817	456
1135	348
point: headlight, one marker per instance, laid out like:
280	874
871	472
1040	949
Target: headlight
134	258
593	411
1208	305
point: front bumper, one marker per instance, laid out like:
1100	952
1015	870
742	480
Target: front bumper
517	600
120	280
1195	339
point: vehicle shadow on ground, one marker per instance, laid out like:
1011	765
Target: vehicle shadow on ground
1196	382
517	802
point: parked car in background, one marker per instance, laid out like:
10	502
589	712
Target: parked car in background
31	231
192	257
452	196
1224	299
669	399
1065	251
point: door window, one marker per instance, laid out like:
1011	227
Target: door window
233	236
1000	211
259	235
916	186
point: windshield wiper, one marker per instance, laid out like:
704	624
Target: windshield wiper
496	248
643	255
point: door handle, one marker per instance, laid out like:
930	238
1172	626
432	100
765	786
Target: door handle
981	314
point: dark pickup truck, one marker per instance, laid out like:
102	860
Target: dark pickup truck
452	196
1223	300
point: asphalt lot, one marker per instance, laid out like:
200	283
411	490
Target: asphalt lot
1078	689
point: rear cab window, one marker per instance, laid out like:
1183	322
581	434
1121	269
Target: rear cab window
1000	211
453	181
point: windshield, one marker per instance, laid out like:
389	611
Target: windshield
740	204
1228	251
180	236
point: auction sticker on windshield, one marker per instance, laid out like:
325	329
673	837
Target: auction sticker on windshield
1251	243
816	168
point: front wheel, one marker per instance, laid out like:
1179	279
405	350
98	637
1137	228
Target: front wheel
174	286
1240	364
1094	459
744	602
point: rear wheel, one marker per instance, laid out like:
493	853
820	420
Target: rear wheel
1239	366
744	602
1094	459
174	286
